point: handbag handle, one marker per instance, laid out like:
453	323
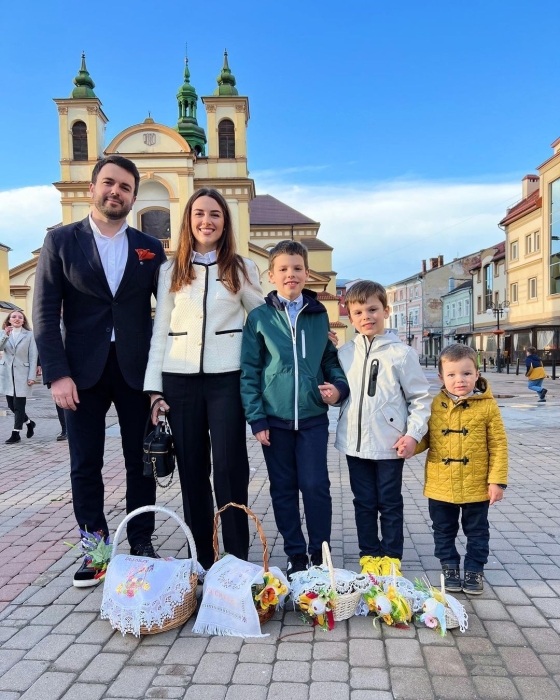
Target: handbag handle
257	525
149	421
327	561
156	509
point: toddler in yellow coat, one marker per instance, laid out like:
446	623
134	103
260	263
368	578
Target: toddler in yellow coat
466	466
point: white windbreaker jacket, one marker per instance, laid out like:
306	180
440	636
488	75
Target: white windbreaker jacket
388	397
198	330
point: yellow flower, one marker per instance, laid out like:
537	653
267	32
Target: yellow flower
146	586
120	588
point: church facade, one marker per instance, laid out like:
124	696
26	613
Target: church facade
175	161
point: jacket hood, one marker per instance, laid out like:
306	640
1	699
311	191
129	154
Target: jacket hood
310	303
484	391
388	338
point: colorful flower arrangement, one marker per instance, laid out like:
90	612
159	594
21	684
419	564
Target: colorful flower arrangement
135	580
388	605
97	549
268	593
318	607
433	608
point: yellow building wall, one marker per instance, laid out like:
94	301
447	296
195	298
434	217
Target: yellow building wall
4	275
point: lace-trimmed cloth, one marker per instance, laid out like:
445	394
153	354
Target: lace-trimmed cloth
143	592
317	579
227	606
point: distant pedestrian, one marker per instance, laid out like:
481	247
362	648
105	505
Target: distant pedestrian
18	369
535	373
466	467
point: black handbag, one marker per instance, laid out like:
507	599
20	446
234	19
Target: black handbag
159	453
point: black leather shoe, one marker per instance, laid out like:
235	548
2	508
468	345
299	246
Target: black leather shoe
316	558
61	436
144	550
452	578
473	583
31	428
85	576
299	562
15	437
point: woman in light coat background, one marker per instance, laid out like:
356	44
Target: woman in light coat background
18	369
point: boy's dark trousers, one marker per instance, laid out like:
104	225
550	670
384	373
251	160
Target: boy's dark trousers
377	488
474	521
297	461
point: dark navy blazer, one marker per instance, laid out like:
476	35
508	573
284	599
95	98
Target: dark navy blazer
70	274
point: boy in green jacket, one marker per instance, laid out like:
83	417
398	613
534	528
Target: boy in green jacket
287	361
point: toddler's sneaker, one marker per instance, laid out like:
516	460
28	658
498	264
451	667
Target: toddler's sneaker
386	569
298	562
371	565
452	578
543	393
473	583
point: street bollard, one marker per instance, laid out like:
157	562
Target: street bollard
484	370
435	362
426	360
553	368
507	365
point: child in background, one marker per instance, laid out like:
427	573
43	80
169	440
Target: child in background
535	373
380	425
466	466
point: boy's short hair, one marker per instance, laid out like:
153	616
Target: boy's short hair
531	350
456	352
287	248
361	291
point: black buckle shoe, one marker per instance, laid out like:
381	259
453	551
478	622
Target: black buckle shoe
31	428
61	436
144	550
85	576
298	562
452	579
15	437
473	583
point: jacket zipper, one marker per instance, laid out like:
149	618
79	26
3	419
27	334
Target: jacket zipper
303	344
201	371
359	441
293	331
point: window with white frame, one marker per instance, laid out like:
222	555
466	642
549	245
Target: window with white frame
467	307
453	309
514	250
533	288
513	297
479	305
532	242
459	309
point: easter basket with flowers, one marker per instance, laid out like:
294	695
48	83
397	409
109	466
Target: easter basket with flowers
440	611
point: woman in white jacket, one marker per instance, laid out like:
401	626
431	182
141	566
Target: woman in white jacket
18	368
194	368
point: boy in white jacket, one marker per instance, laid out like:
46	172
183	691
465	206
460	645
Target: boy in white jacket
380	424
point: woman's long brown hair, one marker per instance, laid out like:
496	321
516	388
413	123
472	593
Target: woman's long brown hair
230	265
25	324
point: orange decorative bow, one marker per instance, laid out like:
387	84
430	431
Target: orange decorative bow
145	254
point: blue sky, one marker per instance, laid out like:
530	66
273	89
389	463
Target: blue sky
347	101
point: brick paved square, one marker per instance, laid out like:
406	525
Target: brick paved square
215	669
370	678
411	684
537	689
50	686
454	688
206	692
10	657
85	691
50	647
492	688
522	662
337	651
246	692
367	653
22	675
444	661
103	669
132	682
252	674
404	652
329	671
294	671
76	657
257	653
285	691
332	691
292	651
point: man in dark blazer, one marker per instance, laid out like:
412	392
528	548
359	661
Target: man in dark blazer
102	273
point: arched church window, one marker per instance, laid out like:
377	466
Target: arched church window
226	139
79	141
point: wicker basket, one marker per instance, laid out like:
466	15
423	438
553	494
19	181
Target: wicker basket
184	610
264	615
451	621
346	603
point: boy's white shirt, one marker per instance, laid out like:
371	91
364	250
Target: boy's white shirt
401	405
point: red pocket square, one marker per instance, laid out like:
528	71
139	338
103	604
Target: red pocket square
145	254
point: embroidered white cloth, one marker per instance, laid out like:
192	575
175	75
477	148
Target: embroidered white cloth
140	591
227	606
317	578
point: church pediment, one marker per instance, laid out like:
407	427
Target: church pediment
149	138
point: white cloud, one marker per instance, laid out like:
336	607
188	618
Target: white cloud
384	230
25	214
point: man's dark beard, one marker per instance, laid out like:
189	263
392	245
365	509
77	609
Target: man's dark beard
111	213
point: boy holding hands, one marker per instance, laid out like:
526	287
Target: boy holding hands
466	466
380	425
287	361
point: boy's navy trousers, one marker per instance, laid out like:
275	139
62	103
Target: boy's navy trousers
297	461
445	524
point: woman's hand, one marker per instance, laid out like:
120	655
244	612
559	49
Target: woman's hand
159	408
30	382
9	329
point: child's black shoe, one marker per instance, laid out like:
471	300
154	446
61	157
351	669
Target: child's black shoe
473	583
452	579
298	562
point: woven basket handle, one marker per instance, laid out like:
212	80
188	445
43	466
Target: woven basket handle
257	525
157	509
327	561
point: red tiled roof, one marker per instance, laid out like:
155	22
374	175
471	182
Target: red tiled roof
500	253
266	210
326	296
312	243
525	206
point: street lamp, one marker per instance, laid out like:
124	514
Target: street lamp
409	336
498	309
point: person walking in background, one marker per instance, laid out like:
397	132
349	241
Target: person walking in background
18	369
101	273
194	368
535	373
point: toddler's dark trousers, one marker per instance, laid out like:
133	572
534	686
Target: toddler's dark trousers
474	521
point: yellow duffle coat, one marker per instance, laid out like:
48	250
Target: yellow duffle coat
467	447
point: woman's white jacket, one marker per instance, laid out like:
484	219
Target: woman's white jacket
18	363
381	408
199	329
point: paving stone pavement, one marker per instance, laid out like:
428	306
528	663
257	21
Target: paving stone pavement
53	645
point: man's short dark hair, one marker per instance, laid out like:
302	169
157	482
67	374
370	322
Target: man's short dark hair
361	291
288	247
456	352
123	163
531	350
